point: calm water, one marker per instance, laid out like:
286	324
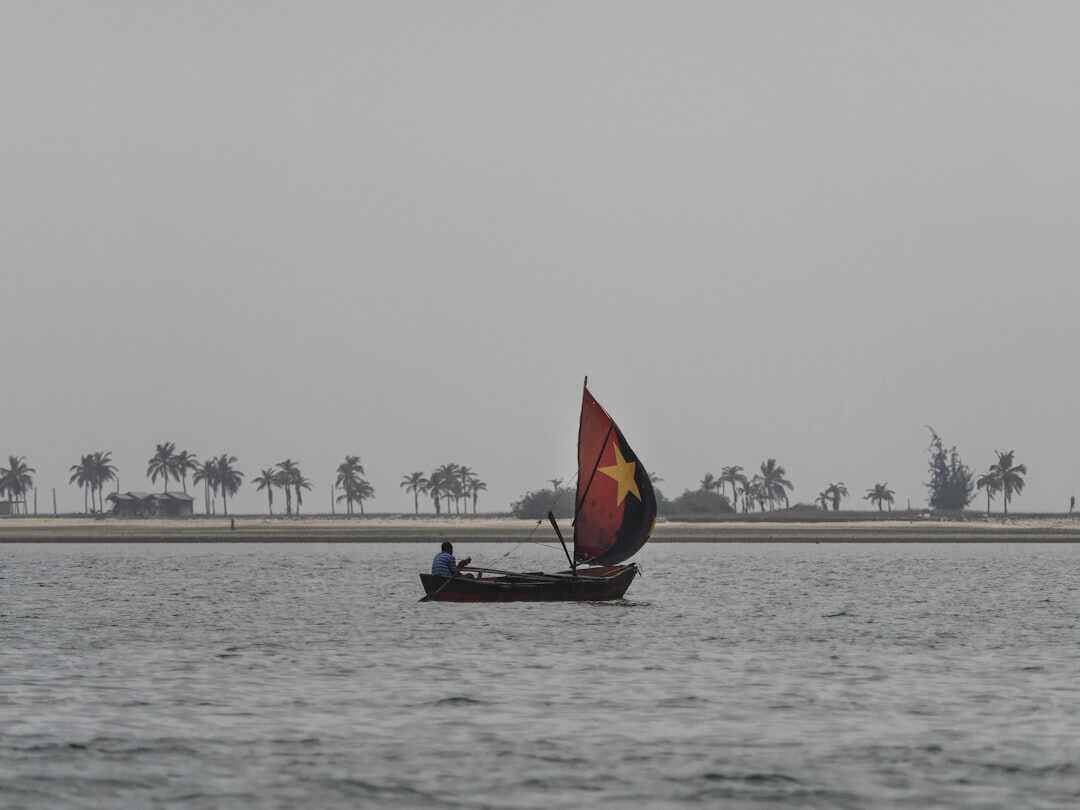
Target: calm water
744	676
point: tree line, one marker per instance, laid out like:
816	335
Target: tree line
451	486
952	485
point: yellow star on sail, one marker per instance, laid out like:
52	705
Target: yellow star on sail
622	472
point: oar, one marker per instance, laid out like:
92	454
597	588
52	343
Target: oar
429	596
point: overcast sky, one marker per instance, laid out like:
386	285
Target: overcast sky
407	230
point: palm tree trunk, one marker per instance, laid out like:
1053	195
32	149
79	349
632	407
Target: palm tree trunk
416	502
1005	500
85	495
988	501
225	501
270	500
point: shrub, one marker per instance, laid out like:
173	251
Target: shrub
700	502
951	484
536	504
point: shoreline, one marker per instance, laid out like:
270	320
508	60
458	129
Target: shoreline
508	530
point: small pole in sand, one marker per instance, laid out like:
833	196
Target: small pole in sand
54	502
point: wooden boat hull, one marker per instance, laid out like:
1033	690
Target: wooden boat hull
599	584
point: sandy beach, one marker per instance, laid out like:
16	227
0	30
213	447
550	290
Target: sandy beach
496	530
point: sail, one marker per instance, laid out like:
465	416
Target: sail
616	505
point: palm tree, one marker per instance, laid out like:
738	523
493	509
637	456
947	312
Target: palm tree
364	491
183	463
836	492
229	478
746	490
348	473
266	479
879	494
435	490
287	472
465	475
162	464
709	483
1010	476
476	486
450	482
758	493
16	479
733	475
822	500
102	471
300	483
83	475
417	484
990	482
207	475
775	482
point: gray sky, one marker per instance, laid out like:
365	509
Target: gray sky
406	230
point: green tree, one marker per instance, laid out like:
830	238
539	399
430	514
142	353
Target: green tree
183	463
82	474
880	494
476	486
435	484
465	475
774	481
16	480
836	493
207	475
364	492
229	478
734	476
1010	476
162	464
102	471
301	484
708	483
266	480
417	484
287	474
348	475
822	500
990	482
449	478
951	484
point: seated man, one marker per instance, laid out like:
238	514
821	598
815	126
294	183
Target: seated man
444	564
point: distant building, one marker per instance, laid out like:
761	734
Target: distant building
152	504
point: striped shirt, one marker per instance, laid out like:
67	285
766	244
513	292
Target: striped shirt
444	565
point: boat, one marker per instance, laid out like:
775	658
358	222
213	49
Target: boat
614	515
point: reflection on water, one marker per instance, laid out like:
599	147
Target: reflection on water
811	675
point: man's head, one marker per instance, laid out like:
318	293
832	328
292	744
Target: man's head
448	547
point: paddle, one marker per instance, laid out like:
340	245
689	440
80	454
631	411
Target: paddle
429	596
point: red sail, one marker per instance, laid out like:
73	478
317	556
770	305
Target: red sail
616	505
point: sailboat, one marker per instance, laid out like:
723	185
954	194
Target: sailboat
614	514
